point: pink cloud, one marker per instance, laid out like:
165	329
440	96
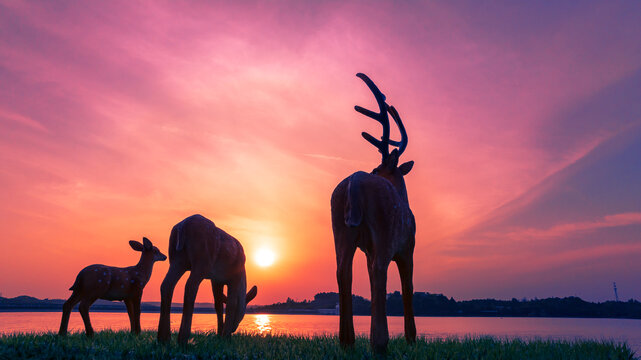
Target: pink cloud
23	120
244	112
566	229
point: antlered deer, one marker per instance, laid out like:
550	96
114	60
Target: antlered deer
372	212
112	283
197	245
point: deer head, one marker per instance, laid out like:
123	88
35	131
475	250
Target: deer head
236	302
389	168
147	249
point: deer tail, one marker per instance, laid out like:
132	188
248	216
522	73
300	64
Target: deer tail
180	242
76	284
353	210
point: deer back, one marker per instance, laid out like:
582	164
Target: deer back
371	203
205	248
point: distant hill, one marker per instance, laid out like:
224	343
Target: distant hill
28	303
425	304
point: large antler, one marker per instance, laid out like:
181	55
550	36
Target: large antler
383	144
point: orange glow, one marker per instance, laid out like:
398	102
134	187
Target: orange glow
117	121
264	257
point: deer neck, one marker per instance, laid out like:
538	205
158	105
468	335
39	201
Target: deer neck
401	190
398	183
145	265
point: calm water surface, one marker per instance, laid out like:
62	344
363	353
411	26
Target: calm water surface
621	330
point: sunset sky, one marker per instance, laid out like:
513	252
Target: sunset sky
119	119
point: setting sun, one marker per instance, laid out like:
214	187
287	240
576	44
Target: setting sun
264	257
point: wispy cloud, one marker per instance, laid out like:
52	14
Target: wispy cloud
571	228
328	157
21	119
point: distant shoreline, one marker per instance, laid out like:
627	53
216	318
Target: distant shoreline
425	305
178	310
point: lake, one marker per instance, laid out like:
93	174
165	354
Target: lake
620	330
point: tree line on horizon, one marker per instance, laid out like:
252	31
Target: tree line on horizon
426	304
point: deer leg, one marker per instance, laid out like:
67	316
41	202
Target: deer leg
405	269
191	289
379	335
83	308
166	293
136	305
66	312
217	289
344	259
130	312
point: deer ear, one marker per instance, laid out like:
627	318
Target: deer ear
147	243
406	167
251	294
136	245
392	160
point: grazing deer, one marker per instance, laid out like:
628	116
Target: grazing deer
197	245
372	212
112	283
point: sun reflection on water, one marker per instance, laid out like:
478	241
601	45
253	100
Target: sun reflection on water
263	323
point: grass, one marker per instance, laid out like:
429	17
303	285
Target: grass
123	345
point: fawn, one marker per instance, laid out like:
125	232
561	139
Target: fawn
112	283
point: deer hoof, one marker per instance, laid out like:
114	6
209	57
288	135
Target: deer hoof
182	339
379	349
163	338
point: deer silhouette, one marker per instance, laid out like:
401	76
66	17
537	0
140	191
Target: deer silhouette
197	245
370	211
112	283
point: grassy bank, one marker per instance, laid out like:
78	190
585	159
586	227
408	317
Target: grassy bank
122	345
